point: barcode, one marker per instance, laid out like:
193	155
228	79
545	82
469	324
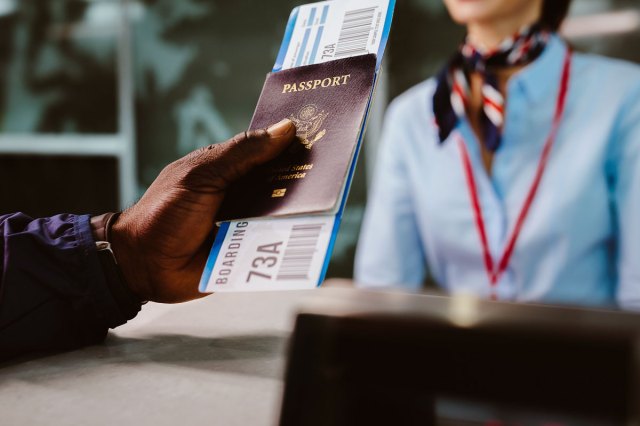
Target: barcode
299	252
355	32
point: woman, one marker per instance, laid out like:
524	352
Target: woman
515	174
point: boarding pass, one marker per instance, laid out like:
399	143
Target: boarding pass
329	30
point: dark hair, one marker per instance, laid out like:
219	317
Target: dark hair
553	13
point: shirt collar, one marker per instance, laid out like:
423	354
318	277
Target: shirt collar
540	80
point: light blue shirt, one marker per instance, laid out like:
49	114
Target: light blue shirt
580	243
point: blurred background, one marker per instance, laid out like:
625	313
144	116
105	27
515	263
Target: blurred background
97	96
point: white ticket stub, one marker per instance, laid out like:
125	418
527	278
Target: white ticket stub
260	255
329	30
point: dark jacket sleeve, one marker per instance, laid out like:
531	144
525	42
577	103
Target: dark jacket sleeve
53	292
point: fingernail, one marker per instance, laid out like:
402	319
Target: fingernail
280	129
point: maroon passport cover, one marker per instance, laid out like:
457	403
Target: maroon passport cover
327	102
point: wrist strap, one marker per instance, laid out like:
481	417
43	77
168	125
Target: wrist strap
101	226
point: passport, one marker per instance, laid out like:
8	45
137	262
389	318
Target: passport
328	104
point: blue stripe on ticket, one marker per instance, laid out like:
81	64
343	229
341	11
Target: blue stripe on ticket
314	53
213	256
386	30
303	47
325	13
288	33
312	17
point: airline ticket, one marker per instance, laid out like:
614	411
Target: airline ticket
329	30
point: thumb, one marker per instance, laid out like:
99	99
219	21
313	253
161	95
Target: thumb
233	159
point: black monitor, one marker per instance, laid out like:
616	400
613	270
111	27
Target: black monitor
367	358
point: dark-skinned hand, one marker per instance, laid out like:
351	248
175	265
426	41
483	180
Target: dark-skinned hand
162	242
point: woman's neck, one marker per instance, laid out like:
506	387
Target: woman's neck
489	35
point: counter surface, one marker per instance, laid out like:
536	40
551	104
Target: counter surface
219	360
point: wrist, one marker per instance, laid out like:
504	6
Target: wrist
104	230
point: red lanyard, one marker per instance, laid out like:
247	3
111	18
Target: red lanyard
495	271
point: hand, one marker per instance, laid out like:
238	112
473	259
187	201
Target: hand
162	242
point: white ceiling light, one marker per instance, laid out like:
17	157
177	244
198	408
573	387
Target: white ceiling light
7	7
602	24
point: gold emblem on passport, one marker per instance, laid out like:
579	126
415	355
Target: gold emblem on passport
278	193
309	121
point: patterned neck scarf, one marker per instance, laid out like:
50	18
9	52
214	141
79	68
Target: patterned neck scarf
452	94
